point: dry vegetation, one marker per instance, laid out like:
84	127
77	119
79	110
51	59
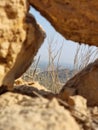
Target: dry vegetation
55	77
86	117
31	106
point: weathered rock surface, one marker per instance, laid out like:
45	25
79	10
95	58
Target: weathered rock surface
35	84
24	113
20	39
76	20
33	89
79	105
84	83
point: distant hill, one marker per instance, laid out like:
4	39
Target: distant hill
50	79
57	77
43	66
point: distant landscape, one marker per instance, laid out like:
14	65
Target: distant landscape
43	66
51	79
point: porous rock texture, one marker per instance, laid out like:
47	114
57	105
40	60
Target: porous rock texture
20	39
84	83
76	20
26	113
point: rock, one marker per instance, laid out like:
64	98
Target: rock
85	83
21	85
75	20
26	113
32	89
35	84
80	105
20	39
20	81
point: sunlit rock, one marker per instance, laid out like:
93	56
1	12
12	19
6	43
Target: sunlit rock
24	113
20	39
76	20
85	83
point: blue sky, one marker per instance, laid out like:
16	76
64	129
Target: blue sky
69	47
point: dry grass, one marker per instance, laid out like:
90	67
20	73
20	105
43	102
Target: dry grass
53	65
83	56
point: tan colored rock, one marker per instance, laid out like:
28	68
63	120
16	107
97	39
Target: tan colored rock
32	88
20	39
34	84
80	105
19	81
26	113
76	20
85	83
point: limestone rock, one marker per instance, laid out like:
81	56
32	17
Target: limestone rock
32	89
85	83
26	113
76	20
20	39
20	81
36	84
80	105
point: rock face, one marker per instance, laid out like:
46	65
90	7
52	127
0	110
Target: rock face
84	83
20	39
76	20
37	113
